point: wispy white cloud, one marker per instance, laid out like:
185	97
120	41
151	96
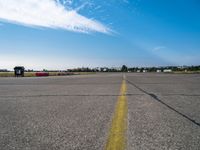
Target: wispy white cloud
48	14
157	48
126	1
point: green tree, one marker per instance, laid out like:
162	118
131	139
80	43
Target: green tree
124	68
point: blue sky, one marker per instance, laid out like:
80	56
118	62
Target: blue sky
61	34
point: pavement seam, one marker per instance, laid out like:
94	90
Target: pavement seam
114	95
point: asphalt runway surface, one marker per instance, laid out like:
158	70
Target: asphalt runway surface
75	112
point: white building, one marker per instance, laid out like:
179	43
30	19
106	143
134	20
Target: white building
158	71
167	70
144	71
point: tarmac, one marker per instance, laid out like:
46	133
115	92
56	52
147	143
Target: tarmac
76	112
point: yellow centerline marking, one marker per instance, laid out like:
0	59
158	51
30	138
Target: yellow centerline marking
117	134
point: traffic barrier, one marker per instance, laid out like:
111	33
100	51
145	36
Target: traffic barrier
41	74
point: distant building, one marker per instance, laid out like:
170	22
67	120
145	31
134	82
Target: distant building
105	69
117	68
97	69
144	71
158	71
167	70
19	71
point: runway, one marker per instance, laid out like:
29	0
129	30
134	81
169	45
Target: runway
77	112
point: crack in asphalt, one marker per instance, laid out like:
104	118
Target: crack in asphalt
165	83
155	97
196	95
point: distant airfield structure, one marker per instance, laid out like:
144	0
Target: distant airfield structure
19	71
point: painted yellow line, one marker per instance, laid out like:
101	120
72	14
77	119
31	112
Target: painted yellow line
117	134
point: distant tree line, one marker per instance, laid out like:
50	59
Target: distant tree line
4	70
124	68
172	68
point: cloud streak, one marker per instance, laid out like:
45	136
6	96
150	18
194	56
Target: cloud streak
48	14
159	48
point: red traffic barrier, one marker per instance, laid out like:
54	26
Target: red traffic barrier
41	74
